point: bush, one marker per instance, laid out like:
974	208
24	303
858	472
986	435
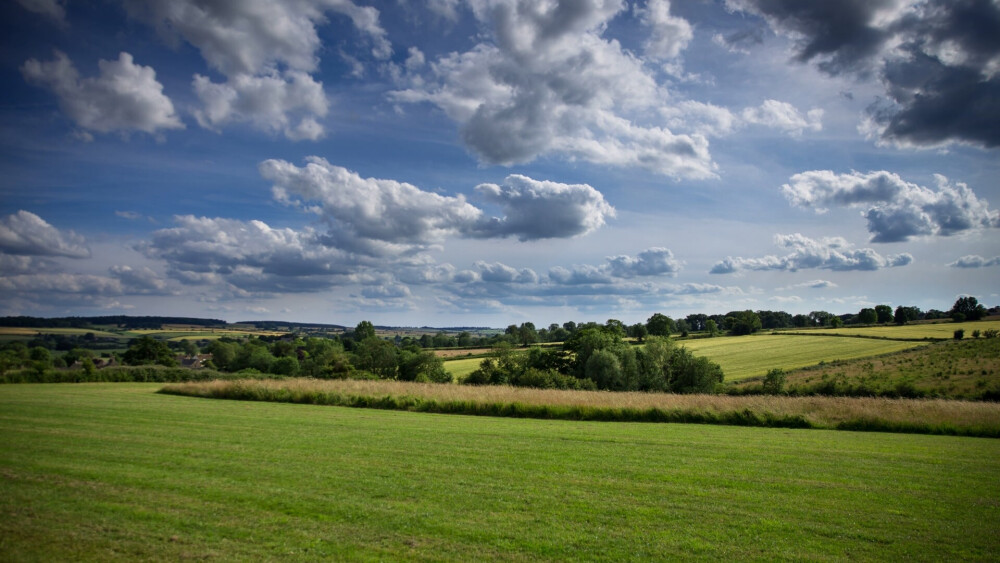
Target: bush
975	334
774	381
959	334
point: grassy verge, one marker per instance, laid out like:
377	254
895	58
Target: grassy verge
115	472
132	374
928	416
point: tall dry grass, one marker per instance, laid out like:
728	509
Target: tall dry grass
902	415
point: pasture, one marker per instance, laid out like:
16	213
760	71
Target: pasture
28	332
118	472
742	357
462	367
915	331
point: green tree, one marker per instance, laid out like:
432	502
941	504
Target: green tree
836	322
147	350
638	331
884	313
223	354
712	327
604	368
376	356
364	331
660	325
969	307
867	316
285	365
526	334
616	326
744	322
904	315
774	381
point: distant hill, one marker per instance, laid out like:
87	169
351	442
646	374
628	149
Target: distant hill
281	325
123	321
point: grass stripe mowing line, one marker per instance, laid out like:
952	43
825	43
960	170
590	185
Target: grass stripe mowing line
872	414
115	472
742	357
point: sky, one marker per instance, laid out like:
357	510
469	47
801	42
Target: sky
492	162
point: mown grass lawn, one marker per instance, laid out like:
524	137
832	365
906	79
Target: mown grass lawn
748	356
117	472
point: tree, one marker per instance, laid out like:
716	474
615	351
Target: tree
638	331
884	313
147	350
743	322
376	356
364	331
867	316
711	327
526	334
605	370
616	326
969	307
904	315
836	322
660	325
774	381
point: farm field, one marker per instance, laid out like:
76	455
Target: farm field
742	357
28	332
462	367
943	330
118	472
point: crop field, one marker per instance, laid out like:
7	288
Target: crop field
28	332
742	357
116	472
943	330
203	334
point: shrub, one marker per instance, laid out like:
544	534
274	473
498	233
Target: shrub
774	381
959	334
975	334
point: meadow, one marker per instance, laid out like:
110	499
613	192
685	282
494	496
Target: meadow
743	357
117	472
913	331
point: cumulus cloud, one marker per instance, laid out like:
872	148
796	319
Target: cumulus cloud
654	261
669	35
26	234
896	210
124	97
266	50
497	272
814	284
380	216
547	82
784	117
138	280
287	103
828	253
975	261
938	61
250	255
540	209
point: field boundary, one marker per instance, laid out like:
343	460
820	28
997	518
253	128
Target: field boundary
908	416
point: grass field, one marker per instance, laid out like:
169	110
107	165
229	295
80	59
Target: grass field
944	330
462	367
115	472
963	369
749	356
28	332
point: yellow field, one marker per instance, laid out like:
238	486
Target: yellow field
463	367
748	356
199	334
26	331
935	330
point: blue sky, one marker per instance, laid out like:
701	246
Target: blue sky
488	162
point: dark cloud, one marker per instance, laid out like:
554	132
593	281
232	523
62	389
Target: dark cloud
939	61
896	210
831	253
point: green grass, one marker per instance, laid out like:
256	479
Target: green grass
22	332
944	330
116	472
954	369
462	367
742	357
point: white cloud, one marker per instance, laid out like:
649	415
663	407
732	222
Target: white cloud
381	216
975	261
784	116
540	209
270	102
896	210
124	97
669	34
651	262
549	83
138	280
26	234
497	272
828	253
